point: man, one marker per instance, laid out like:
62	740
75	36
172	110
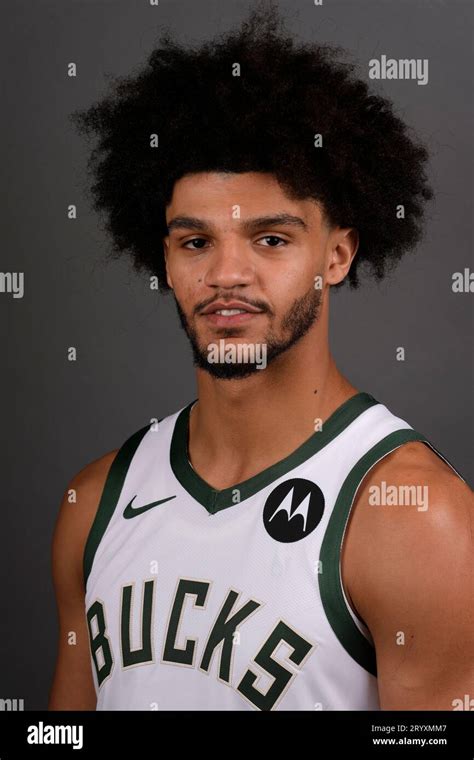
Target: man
283	541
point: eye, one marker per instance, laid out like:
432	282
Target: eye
273	238
194	240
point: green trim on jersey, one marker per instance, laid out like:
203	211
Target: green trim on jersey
330	585
110	496
214	500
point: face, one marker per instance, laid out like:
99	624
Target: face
249	266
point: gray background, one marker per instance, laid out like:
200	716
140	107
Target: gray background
133	359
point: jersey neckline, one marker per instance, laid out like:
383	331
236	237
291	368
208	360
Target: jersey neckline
214	500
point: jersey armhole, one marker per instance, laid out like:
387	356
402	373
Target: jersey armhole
110	495
353	635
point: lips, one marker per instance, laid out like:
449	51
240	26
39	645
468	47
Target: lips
223	305
230	320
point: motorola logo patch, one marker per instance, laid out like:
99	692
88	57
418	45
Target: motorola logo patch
293	510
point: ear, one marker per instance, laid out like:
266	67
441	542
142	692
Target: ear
343	245
166	252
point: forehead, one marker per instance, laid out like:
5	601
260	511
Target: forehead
255	193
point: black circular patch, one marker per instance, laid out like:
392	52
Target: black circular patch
293	510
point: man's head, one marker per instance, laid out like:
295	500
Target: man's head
239	239
255	123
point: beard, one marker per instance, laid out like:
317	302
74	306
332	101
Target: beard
301	315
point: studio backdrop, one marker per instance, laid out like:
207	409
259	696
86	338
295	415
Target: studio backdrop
91	352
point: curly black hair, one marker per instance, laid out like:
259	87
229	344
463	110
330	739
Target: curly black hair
265	119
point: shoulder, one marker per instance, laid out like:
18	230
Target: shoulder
409	571
414	475
76	514
94	473
410	509
85	487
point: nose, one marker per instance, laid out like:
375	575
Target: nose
229	265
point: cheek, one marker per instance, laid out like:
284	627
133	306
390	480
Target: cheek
187	274
293	281
188	294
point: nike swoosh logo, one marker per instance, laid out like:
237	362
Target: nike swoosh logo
130	511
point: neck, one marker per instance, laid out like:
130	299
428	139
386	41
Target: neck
239	427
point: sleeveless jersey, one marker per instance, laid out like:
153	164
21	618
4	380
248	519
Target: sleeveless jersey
205	599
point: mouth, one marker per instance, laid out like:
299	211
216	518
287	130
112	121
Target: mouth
230	317
230	313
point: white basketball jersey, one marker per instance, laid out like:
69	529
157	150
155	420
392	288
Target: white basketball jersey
198	599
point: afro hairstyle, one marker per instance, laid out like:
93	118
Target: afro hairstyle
263	120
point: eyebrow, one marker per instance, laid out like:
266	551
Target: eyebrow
247	225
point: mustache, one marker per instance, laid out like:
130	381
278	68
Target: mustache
255	304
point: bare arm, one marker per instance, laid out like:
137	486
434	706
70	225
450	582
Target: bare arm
413	584
73	687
